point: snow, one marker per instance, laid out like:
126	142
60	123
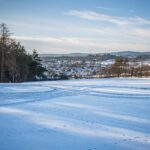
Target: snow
108	62
98	114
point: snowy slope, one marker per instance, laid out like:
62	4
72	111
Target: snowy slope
101	114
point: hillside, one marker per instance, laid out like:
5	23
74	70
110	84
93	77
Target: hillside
120	53
76	115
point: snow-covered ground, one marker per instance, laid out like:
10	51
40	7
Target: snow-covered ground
101	114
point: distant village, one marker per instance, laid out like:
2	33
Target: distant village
96	66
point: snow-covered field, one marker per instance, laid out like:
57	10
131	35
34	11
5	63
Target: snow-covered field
101	114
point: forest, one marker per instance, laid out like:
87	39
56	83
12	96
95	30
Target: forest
16	65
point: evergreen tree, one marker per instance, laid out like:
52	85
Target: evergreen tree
16	64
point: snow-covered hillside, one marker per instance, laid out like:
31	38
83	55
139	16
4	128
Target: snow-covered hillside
102	114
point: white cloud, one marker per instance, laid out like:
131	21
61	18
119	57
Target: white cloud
60	40
68	36
91	15
115	9
81	44
108	8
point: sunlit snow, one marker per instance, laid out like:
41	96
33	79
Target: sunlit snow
100	114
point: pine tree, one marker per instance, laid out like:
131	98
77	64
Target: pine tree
4	41
16	64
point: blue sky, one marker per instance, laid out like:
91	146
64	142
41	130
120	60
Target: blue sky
68	26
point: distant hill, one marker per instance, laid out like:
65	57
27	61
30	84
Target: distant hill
130	54
65	55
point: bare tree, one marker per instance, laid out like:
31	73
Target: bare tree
4	39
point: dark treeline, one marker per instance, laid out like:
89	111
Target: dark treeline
16	65
123	68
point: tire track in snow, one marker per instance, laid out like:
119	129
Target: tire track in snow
39	96
62	89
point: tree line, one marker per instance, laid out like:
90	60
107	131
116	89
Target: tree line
123	68
16	65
